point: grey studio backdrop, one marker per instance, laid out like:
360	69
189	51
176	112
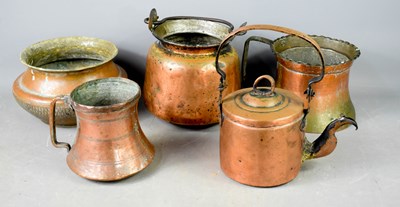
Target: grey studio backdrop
363	171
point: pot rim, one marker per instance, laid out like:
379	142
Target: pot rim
132	99
216	23
107	52
355	51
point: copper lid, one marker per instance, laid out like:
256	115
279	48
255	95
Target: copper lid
263	106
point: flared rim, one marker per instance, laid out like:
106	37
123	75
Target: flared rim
48	51
348	49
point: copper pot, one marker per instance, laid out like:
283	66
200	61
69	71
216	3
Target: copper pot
180	80
56	67
298	63
262	140
109	144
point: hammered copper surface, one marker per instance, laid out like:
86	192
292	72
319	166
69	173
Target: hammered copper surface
110	144
56	67
181	84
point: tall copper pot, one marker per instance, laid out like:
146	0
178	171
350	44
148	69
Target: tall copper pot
56	67
297	63
110	144
295	70
180	80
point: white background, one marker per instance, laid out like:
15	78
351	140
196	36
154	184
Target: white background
363	171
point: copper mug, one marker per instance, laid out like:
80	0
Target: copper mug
262	140
297	63
180	78
110	144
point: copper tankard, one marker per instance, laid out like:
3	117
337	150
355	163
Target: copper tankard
109	144
262	140
297	63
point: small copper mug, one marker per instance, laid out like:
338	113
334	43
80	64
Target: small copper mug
110	144
297	63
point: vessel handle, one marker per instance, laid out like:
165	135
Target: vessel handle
152	19
243	67
309	91
52	124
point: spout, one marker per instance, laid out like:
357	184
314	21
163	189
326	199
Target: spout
327	141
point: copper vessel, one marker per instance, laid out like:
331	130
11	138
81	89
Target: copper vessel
109	144
262	141
180	80
56	67
297	63
295	70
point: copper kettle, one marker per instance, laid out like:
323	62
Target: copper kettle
262	140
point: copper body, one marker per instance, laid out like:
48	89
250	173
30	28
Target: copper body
110	144
181	83
261	156
332	98
262	140
37	86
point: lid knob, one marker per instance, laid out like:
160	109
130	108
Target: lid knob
265	92
262	97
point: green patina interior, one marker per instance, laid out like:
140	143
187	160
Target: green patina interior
105	92
193	39
68	54
192	32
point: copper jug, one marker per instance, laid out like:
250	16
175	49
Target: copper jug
180	78
56	67
297	63
262	140
109	144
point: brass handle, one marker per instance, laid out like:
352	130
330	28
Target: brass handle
52	124
258	92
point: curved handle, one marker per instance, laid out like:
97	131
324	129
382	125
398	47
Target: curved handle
152	19
258	92
286	30
52	124
246	52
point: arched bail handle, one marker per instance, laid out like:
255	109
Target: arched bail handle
152	19
286	30
260	92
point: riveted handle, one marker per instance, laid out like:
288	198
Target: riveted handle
259	92
52	124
